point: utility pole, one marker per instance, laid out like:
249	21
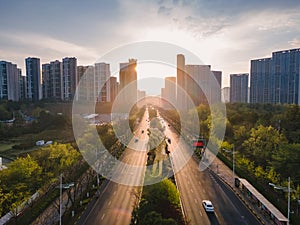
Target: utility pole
60	199
289	201
233	164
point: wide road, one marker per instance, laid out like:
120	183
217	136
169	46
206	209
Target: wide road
115	204
195	186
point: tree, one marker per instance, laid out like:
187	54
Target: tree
262	144
4	114
286	159
19	181
2	199
260	173
153	217
289	122
56	158
165	198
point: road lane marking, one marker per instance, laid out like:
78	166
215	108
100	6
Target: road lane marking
102	216
109	202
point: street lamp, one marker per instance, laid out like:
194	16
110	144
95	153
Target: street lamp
62	186
285	189
60	198
232	152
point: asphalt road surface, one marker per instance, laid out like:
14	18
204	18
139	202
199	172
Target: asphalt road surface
195	186
115	204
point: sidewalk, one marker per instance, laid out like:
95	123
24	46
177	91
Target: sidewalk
226	175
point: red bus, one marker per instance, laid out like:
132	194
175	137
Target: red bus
199	143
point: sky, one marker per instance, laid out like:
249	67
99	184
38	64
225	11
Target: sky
223	34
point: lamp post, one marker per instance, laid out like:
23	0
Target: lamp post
62	186
233	159
97	168
285	189
60	198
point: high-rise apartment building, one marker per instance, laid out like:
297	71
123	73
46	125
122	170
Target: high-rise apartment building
216	90
239	87
102	75
260	81
285	80
52	80
276	79
9	81
22	81
69	78
46	90
128	81
33	79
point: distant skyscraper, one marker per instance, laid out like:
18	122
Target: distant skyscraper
69	78
226	94
22	80
86	78
168	93
33	79
216	94
260	81
9	81
239	87
198	83
46	81
102	74
181	83
128	76
113	88
170	87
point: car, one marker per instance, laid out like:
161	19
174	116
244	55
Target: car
136	140
169	140
208	206
142	131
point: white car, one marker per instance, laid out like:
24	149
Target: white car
208	206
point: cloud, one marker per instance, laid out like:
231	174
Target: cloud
164	10
295	42
22	45
226	34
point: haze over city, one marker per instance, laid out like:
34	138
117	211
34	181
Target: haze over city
223	34
170	112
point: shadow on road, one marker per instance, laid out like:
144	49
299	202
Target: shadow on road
213	219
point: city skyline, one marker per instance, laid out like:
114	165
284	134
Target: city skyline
223	34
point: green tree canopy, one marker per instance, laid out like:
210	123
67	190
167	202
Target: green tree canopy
263	143
153	217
